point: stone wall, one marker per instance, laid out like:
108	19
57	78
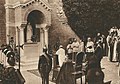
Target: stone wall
2	23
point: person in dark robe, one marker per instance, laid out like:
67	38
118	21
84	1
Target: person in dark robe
69	50
45	66
10	77
98	52
94	74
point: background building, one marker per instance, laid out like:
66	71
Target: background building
22	19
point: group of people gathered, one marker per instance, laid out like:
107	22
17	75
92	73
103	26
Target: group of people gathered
113	43
94	49
74	47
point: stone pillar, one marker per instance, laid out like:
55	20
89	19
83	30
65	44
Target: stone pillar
42	37
46	36
10	21
22	38
22	33
7	25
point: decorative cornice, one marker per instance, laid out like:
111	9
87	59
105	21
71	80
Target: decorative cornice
19	24
26	4
8	6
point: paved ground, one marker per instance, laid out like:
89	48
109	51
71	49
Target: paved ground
32	79
110	70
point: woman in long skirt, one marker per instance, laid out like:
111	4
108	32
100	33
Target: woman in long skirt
114	50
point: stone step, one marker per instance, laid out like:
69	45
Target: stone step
28	65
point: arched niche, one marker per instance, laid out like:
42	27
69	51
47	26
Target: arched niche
34	18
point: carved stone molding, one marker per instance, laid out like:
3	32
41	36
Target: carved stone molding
30	2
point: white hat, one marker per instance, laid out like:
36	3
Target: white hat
60	46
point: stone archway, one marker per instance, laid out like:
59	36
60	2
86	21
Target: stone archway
36	25
34	18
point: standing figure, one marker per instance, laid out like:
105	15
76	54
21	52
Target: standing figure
99	52
89	48
111	44
45	66
108	46
114	49
104	45
11	75
69	50
94	73
12	43
98	37
118	32
61	55
81	46
118	51
75	46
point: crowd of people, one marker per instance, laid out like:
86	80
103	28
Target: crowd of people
93	53
113	44
93	48
109	46
74	47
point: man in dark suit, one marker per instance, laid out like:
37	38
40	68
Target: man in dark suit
44	66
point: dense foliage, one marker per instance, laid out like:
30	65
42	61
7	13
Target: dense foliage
87	17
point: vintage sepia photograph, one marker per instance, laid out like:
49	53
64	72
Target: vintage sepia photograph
59	41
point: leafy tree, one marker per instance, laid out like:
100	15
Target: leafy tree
87	17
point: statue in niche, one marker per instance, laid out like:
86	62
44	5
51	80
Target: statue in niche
33	26
29	33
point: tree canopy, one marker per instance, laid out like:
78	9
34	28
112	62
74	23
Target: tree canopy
87	17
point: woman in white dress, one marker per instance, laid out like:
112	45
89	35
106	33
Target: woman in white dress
61	55
108	45
114	50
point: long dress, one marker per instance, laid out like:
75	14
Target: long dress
114	51
108	46
69	51
61	56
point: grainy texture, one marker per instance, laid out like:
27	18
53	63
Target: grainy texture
2	22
